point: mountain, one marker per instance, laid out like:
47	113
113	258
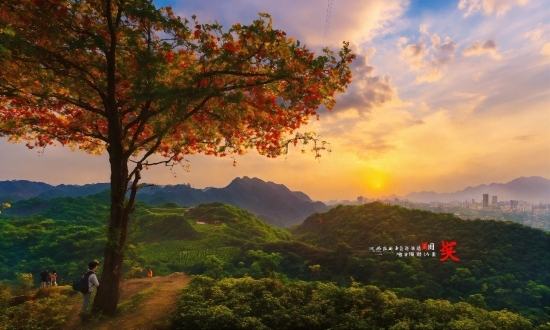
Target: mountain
271	202
16	190
532	189
12	191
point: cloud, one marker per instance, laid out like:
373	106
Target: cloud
446	48
423	28
478	48
534	35
428	62
367	91
540	37
488	6
350	20
369	137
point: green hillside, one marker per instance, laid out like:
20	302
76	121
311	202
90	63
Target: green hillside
171	238
503	264
62	234
65	233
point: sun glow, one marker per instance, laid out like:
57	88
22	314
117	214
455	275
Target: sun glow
375	181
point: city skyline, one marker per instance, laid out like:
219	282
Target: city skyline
446	95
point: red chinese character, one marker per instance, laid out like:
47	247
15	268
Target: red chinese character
424	246
320	220
447	250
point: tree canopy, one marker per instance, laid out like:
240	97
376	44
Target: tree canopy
125	77
175	87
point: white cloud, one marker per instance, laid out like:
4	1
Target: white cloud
423	28
488	6
478	48
428	62
534	35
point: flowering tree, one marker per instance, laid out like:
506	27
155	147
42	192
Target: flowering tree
124	77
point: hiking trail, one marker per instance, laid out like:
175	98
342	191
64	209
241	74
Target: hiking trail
145	304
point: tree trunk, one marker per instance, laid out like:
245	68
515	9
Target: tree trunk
108	292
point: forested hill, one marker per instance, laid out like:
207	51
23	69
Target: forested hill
506	263
376	224
503	246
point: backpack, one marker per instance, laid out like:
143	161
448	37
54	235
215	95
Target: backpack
82	284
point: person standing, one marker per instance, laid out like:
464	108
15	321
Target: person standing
44	278
92	283
54	278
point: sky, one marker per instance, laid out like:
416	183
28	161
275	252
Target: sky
445	95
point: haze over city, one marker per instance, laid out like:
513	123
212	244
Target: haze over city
446	94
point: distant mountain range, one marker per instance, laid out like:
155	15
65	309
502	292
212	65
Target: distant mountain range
533	189
271	202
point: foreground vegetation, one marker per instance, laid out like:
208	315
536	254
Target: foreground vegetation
42	309
247	303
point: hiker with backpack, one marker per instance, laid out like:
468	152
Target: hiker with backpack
44	278
87	283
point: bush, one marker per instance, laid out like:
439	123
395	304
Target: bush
247	303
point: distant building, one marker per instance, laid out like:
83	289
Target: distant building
514	204
360	200
485	200
494	202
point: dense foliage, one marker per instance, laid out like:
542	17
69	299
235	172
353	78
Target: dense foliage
42	309
270	304
64	235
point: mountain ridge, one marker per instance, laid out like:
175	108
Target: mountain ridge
273	203
533	189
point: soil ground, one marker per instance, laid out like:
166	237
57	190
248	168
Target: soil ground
145	304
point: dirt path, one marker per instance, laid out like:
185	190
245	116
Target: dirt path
145	304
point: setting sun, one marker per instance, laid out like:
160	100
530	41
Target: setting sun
375	181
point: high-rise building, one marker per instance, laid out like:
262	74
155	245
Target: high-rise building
360	200
514	204
494	202
485	200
